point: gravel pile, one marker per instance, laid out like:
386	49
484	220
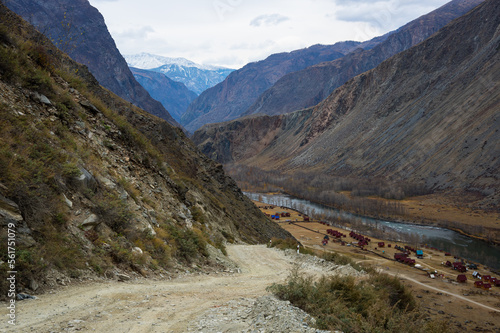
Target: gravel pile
264	314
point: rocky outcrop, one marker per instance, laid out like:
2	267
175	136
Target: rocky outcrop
79	30
308	87
230	98
174	96
428	114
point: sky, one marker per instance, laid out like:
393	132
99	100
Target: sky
232	33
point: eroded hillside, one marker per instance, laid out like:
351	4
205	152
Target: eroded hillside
95	186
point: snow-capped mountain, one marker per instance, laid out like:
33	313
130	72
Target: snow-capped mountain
196	77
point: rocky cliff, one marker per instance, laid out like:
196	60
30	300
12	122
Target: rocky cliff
428	114
308	87
174	96
230	98
79	30
91	185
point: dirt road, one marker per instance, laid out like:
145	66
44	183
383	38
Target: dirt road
151	306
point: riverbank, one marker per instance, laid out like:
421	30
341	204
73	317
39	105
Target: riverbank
435	210
415	233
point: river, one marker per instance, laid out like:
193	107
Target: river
447	240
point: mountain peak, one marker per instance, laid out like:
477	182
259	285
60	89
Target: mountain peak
146	60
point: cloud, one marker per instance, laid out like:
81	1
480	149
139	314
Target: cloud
268	20
384	14
140	33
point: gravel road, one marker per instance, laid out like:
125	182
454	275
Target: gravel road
225	302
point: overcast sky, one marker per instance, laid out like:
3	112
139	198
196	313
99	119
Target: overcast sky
233	33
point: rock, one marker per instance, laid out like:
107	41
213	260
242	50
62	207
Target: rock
106	182
68	202
21	297
86	179
89	106
9	212
91	221
33	285
137	250
41	98
122	277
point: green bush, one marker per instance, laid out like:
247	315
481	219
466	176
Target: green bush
189	244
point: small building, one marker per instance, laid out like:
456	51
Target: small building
486	286
478	284
462	278
420	254
381	244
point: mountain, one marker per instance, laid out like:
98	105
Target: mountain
427	115
174	96
306	88
94	186
197	78
228	99
79	30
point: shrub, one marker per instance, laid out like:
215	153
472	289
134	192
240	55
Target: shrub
113	211
289	243
190	244
377	304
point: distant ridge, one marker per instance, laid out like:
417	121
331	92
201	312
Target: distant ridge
195	77
228	99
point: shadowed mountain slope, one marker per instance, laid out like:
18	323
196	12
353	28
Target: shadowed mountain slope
79	30
174	96
228	99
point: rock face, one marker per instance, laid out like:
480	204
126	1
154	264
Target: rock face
428	114
79	30
230	98
308	87
88	177
174	96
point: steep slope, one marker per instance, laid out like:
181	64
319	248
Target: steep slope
197	78
92	185
306	88
79	30
429	114
174	96
238	91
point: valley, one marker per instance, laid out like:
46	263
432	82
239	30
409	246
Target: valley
140	193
